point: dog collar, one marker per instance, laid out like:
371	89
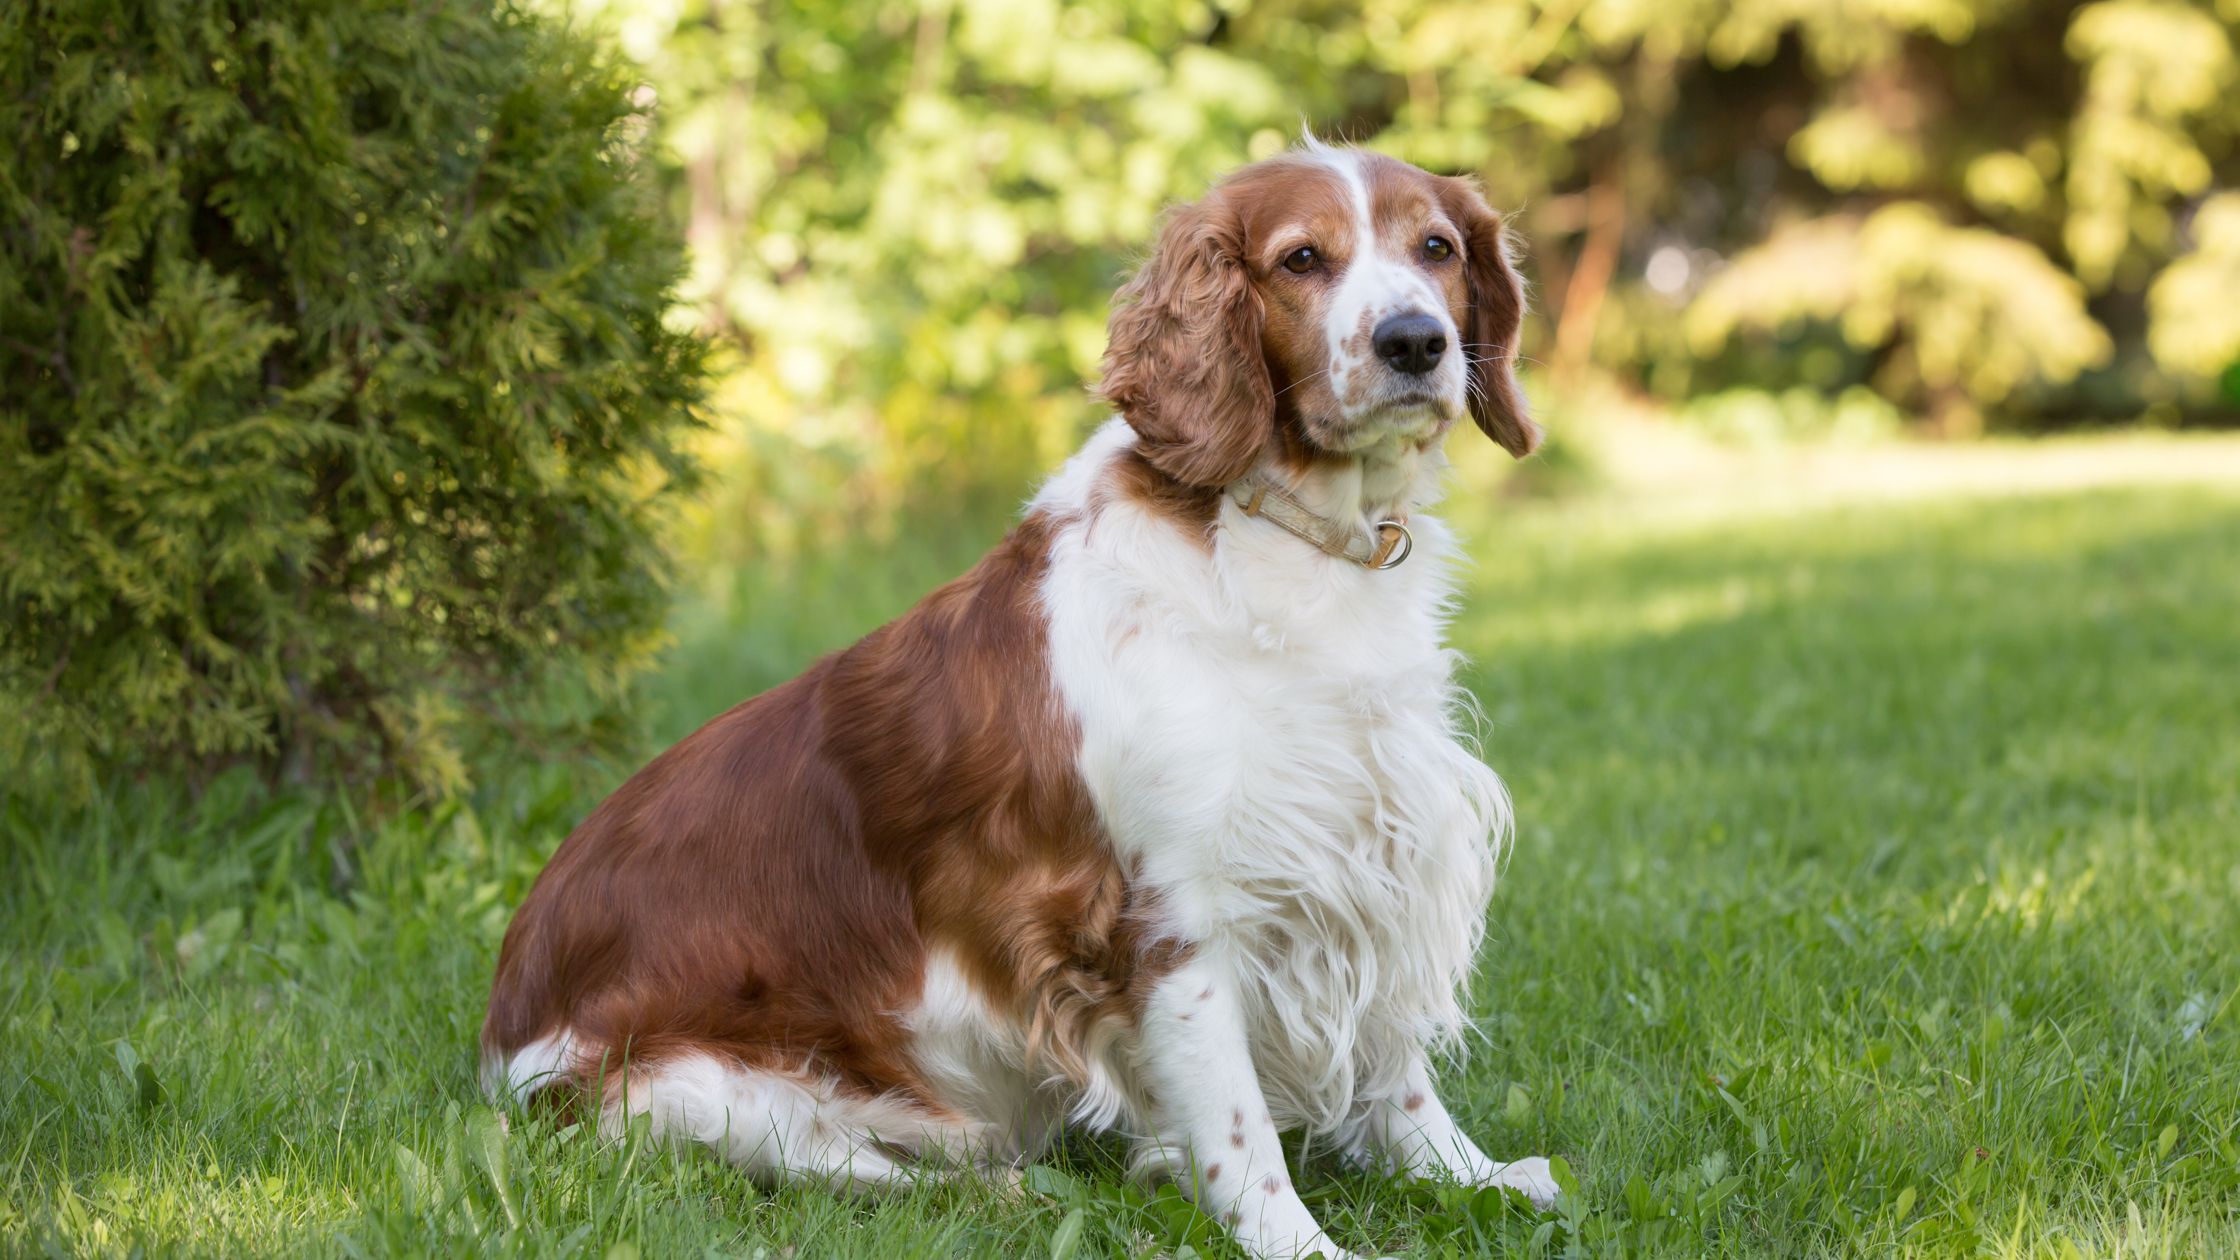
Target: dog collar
1383	546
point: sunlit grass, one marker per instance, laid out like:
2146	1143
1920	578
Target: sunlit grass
1874	894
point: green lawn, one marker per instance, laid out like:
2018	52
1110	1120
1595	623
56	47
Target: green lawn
1877	892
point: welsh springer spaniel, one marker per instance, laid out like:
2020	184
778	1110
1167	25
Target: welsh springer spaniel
1158	820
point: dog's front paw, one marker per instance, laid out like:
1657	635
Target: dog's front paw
1531	1176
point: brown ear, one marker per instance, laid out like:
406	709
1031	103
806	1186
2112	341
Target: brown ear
1490	333
1183	361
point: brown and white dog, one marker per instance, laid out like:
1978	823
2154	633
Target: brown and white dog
1158	820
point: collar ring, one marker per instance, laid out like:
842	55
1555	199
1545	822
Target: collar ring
1399	548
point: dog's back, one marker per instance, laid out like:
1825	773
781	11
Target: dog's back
742	927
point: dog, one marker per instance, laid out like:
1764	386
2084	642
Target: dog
1159	820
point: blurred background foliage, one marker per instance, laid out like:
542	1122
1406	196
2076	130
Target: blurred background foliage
1773	216
346	358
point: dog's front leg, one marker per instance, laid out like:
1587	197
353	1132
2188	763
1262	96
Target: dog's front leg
1416	1136
1213	1130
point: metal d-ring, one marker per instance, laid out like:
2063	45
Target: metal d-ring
1407	544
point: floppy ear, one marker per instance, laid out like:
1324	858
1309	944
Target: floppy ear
1490	332
1183	360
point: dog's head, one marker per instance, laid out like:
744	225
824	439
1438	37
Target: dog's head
1319	304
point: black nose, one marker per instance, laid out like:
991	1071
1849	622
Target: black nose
1411	343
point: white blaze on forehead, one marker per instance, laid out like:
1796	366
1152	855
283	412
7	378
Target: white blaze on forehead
1347	167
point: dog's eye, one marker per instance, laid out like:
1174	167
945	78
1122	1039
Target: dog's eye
1302	260
1436	248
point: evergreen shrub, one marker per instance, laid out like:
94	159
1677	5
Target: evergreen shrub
337	404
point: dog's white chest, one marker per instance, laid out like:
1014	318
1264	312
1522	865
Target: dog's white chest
1269	742
1346	880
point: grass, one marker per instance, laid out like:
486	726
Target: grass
1875	894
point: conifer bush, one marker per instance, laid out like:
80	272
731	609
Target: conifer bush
336	400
